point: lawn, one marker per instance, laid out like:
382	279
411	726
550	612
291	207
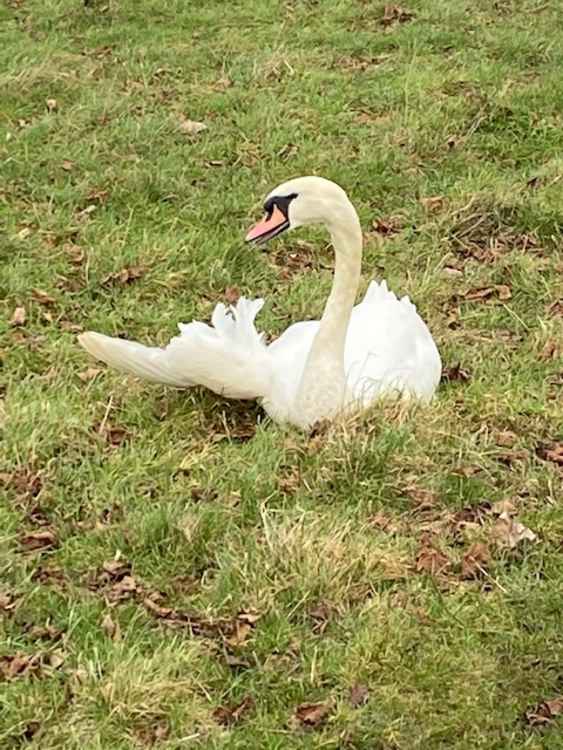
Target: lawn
176	571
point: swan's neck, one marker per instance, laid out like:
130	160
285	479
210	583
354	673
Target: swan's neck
322	390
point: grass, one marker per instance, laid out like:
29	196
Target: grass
176	570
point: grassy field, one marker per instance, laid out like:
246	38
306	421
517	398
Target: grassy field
175	570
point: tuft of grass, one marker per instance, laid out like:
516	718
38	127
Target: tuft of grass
176	571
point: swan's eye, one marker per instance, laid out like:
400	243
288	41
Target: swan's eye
280	201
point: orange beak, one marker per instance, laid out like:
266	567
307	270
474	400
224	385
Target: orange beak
273	224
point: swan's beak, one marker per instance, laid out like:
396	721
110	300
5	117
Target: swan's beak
272	225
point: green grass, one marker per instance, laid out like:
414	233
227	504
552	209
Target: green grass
318	536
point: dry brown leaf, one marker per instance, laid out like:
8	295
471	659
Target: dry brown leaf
551	350
18	317
545	712
44	633
42	297
395	14
384	522
8	602
503	506
500	291
55	659
116	569
320	615
312	714
126	276
89	374
552	452
358	695
433	203
452	271
509	532
474	561
240	635
228	715
389	226
191	127
123	589
19	664
51	104
555	309
455	372
39	540
67	165
506	438
111	628
430	560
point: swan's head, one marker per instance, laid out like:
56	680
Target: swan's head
305	200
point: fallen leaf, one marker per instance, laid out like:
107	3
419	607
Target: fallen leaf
240	635
312	714
358	695
503	506
67	165
455	372
550	350
430	560
556	308
215	163
391	225
433	203
44	633
19	664
545	712
475	560
500	291
8	602
452	271
113	435
228	715
506	438
123	589
55	659
509	532
89	374
42	297
384	522
395	14
39	540
52	104
116	569
191	127
18	318
111	628
552	452
320	615
126	276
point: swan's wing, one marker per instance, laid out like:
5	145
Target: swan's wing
229	357
389	348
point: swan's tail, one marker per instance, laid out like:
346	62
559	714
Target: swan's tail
229	357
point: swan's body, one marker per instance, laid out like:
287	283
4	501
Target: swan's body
316	369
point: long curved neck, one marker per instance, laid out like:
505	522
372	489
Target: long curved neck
323	384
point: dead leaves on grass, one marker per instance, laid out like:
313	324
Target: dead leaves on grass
232	714
545	713
18	317
126	275
552	452
312	715
498	292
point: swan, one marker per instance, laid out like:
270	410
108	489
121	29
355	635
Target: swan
315	369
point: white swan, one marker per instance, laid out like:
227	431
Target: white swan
315	369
